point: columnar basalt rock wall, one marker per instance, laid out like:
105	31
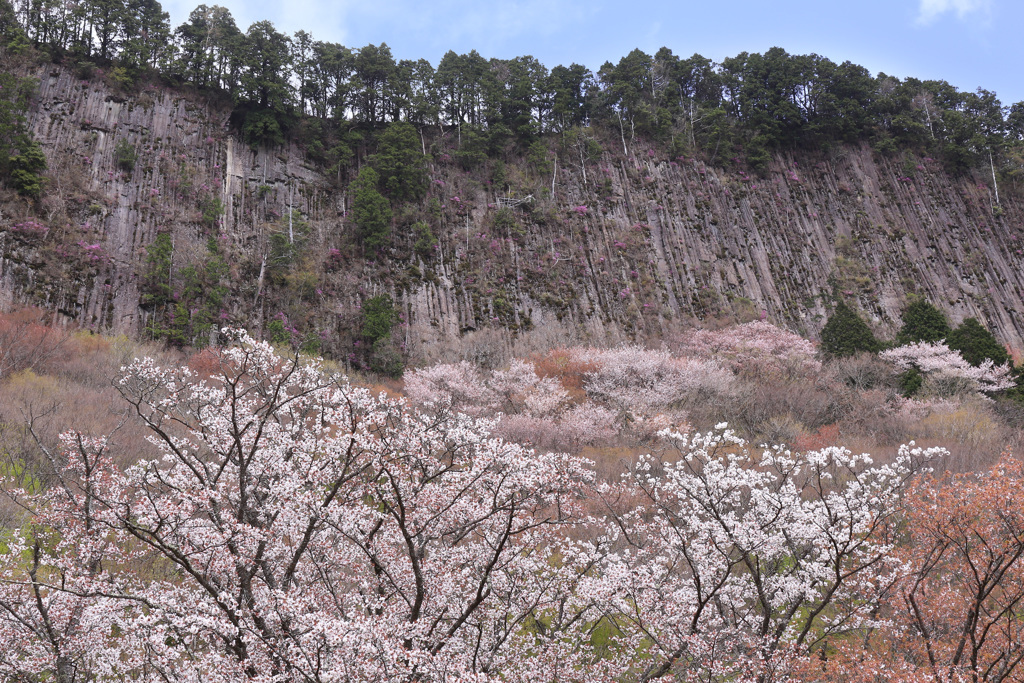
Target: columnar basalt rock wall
789	239
640	244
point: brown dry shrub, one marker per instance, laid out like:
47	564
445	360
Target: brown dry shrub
864	371
971	434
27	401
88	359
611	461
1010	414
561	364
488	348
760	409
35	409
781	429
69	384
869	416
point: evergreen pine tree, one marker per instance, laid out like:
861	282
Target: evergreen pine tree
922	322
976	344
379	316
371	211
845	333
401	163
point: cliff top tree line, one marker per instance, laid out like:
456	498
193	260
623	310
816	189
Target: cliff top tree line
742	108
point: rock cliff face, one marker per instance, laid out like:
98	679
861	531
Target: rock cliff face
629	249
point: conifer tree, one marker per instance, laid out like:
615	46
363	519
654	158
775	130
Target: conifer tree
400	162
845	333
22	160
976	344
370	210
922	322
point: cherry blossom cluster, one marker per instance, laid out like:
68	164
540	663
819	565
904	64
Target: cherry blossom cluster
756	345
733	564
628	387
288	526
646	382
532	409
947	371
283	525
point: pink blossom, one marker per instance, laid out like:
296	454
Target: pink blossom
756	346
304	539
946	372
30	228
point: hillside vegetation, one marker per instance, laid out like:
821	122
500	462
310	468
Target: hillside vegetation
560	312
167	187
237	515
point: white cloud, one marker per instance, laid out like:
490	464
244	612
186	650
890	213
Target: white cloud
930	10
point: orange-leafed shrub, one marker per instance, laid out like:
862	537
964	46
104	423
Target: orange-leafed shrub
818	439
564	365
26	340
961	604
955	614
206	363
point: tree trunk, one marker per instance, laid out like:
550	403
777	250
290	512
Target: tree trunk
622	134
995	182
259	282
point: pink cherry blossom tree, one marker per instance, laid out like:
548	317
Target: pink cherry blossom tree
282	526
643	383
456	386
529	409
945	370
59	598
756	346
286	526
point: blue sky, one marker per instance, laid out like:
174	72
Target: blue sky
970	43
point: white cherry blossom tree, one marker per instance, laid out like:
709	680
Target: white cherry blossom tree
730	563
284	526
